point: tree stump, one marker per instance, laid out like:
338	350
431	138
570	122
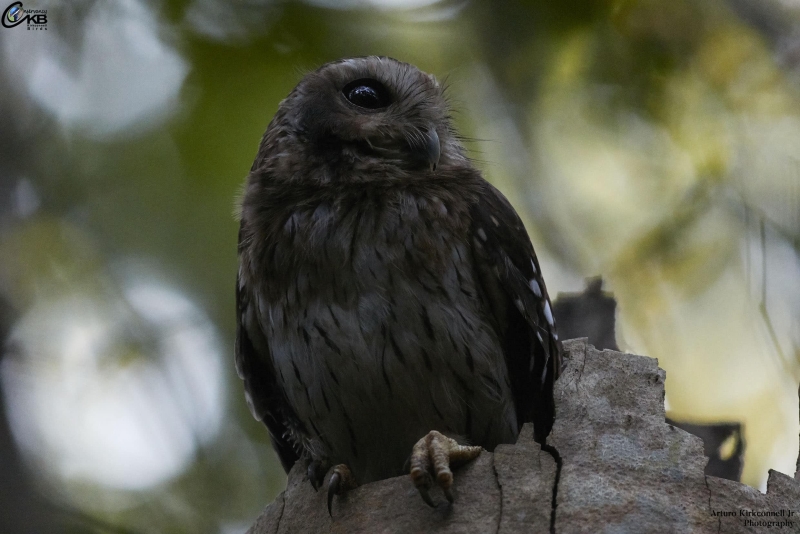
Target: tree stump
623	469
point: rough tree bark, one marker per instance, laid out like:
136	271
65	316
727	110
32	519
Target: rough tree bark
623	469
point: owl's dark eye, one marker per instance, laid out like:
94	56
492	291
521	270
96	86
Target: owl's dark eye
367	93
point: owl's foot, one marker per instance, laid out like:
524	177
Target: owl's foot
433	455
342	480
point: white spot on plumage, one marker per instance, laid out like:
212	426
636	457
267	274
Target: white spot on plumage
520	305
481	234
555	336
539	336
495	221
533	266
535	288
548	314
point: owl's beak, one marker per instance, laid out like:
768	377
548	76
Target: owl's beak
426	147
432	148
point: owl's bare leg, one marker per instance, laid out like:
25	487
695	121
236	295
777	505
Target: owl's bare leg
433	455
342	480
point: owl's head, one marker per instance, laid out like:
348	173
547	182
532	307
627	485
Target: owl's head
356	117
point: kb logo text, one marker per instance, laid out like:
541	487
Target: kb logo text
14	15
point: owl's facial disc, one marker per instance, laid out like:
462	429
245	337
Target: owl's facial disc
370	95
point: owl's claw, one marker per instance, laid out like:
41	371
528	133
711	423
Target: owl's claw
315	474
333	488
448	495
426	496
433	455
342	480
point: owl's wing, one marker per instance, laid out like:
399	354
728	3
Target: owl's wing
264	396
517	298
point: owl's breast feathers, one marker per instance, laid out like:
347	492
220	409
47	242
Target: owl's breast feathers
331	229
370	314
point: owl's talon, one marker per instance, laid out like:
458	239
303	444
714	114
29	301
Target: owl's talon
433	455
426	497
341	480
333	489
315	474
448	493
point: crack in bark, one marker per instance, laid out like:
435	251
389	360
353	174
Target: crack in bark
500	488
280	501
583	368
280	516
570	361
552	451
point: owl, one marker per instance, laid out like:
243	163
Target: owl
391	311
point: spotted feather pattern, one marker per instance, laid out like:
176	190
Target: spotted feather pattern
513	284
